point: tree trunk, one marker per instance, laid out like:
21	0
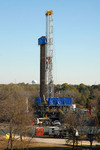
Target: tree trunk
11	141
73	142
21	137
8	144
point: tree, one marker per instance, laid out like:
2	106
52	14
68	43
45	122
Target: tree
71	93
72	122
96	102
83	100
13	110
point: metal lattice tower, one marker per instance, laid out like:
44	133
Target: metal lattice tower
49	55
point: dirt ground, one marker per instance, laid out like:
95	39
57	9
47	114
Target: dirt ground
30	145
36	145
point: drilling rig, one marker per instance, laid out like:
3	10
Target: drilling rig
47	104
46	60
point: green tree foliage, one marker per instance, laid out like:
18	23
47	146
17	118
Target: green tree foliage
82	94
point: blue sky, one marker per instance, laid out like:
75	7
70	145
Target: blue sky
76	40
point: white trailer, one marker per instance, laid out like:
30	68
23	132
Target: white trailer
58	131
54	131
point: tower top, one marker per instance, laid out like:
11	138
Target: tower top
49	12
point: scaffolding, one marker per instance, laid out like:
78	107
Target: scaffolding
49	55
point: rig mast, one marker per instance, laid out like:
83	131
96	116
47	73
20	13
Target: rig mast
47	103
49	55
46	60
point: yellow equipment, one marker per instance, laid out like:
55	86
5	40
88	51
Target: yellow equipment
61	111
49	12
8	136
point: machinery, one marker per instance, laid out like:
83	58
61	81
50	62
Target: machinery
46	59
47	104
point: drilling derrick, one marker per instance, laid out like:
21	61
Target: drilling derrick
46	60
47	104
49	55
